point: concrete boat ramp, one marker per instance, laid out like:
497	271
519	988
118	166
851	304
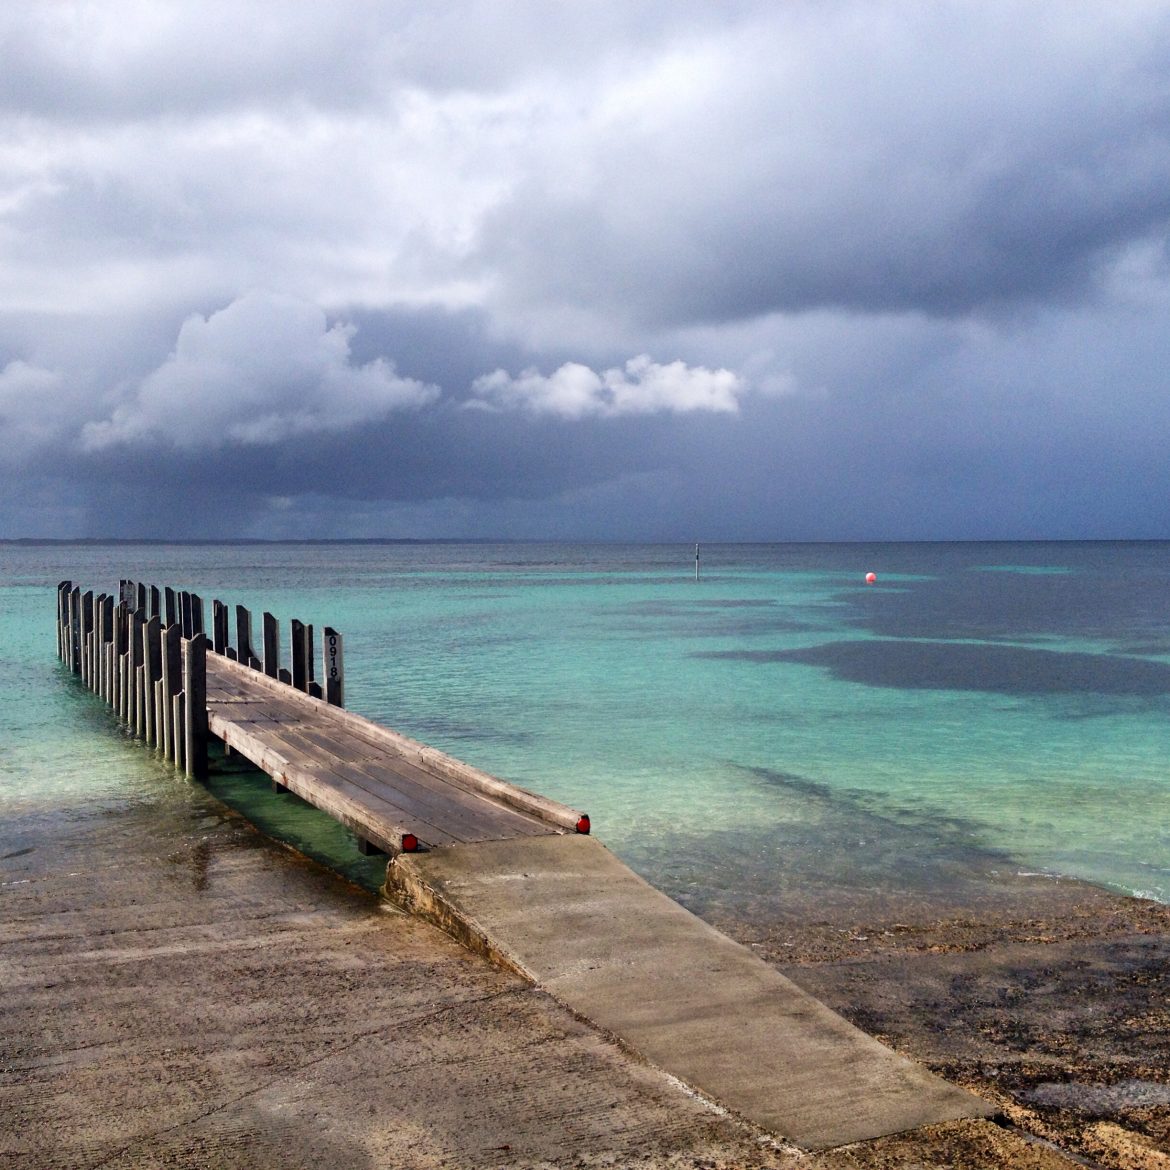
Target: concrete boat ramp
567	914
515	876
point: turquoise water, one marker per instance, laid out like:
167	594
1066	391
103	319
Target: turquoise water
775	721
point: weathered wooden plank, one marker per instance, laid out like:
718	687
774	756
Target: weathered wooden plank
371	819
431	759
320	767
422	795
470	818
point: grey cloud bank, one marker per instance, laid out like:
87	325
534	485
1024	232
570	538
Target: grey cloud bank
644	271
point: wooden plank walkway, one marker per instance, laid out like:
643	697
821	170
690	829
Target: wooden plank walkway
385	787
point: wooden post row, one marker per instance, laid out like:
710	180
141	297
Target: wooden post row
145	653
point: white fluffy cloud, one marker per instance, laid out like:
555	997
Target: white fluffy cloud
641	387
257	372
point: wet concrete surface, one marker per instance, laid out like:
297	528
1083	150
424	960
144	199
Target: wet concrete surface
179	991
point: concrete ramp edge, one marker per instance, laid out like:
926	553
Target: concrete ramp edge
565	914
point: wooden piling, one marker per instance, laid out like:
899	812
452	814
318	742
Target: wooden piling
136	713
185	614
75	630
141	597
244	652
86	629
171	677
179	730
197	626
121	620
63	588
333	664
219	627
152	671
155	602
170	613
271	646
302	655
195	706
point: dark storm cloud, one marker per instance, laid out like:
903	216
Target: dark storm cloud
931	161
812	270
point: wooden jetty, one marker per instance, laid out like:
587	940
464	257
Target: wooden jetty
146	652
509	873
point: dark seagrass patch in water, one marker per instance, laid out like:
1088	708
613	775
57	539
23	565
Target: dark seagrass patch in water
965	666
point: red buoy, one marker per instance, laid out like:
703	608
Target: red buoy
409	843
870	578
583	823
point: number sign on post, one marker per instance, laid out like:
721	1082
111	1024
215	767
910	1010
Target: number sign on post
334	668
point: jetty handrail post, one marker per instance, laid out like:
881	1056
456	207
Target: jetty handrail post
152	661
195	729
271	646
333	667
101	639
244	652
75	630
219	627
171	678
63	590
302	657
297	654
111	616
86	632
97	652
137	713
118	682
178	735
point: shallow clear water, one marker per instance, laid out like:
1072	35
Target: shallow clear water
1005	700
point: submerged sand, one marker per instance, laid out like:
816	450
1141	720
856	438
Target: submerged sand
179	991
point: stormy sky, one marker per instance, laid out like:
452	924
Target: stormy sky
641	269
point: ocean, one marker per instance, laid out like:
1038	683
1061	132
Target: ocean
777	725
